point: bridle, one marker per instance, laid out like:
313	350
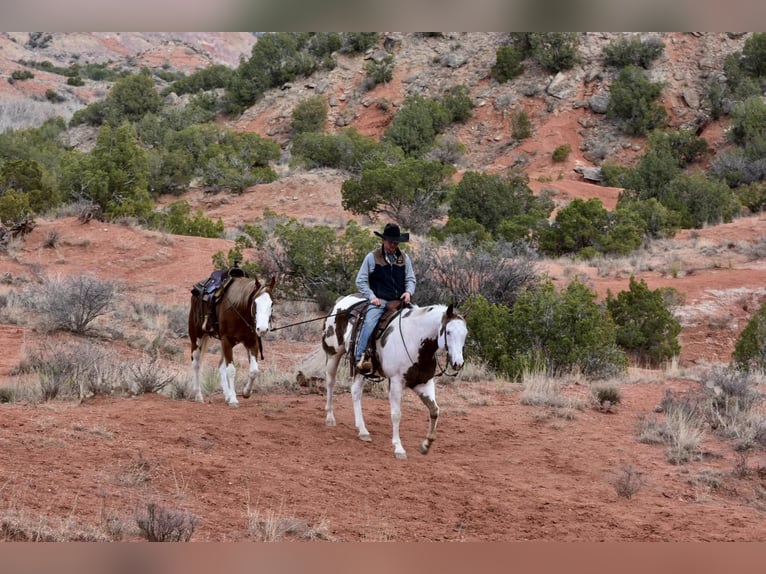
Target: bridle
443	331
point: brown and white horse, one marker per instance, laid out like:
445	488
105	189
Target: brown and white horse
406	354
243	316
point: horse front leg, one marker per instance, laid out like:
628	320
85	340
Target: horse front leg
395	399
356	396
228	373
427	394
252	373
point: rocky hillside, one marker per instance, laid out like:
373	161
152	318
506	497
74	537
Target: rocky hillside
425	65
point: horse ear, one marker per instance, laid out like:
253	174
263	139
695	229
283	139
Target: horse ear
272	282
450	310
257	283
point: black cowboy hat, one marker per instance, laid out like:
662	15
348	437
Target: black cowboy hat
391	233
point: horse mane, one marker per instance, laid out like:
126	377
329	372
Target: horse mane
241	291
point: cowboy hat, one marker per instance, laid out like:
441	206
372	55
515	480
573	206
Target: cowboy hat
391	233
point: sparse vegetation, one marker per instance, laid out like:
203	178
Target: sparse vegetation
161	524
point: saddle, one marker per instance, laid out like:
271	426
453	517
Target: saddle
210	291
359	310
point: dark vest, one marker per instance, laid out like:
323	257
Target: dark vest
386	280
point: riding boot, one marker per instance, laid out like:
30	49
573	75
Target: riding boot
364	366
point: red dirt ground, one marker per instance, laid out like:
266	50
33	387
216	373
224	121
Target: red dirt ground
498	471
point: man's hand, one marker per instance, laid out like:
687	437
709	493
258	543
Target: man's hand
405	297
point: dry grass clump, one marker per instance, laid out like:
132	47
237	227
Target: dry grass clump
160	524
684	426
147	375
545	390
272	526
18	526
628	481
606	394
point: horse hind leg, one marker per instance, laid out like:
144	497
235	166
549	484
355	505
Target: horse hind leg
330	371
199	345
356	396
427	394
395	399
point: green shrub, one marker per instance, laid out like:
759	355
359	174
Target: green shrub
633	102
633	52
309	115
489	325
176	219
457	101
561	153
521	125
22	75
753	59
748	122
555	51
510	198
752	196
359	41
646	328
416	125
75	81
558	332
379	71
507	64
750	349
348	150
315	261
410	192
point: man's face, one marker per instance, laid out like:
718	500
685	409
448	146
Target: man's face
390	246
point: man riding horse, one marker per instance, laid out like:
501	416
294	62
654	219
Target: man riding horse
386	275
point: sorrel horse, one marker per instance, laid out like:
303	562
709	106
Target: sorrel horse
405	353
243	316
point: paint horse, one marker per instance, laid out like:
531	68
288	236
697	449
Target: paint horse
243	315
405	353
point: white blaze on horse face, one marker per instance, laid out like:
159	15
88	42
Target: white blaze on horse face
455	338
263	305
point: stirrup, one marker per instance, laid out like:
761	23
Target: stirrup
364	366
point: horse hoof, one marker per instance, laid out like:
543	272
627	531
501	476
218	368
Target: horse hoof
401	455
329	423
424	448
365	438
234	405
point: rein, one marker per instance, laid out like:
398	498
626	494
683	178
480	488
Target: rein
443	370
306	321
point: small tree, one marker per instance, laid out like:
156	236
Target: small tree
416	125
646	327
521	126
633	102
309	115
750	348
410	192
507	64
379	71
633	52
556	51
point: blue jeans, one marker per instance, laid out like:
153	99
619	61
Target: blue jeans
371	319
